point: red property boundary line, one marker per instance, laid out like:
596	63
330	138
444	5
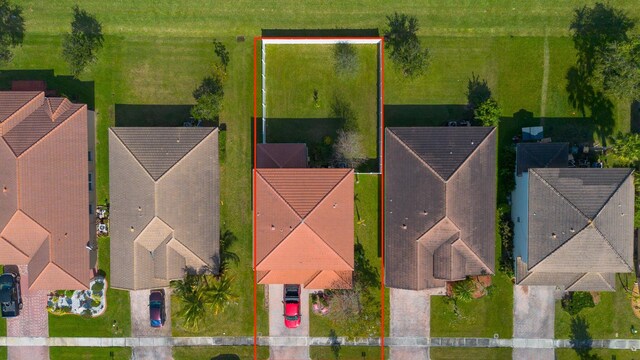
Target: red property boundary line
382	165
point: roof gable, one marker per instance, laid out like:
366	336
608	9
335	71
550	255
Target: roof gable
541	155
444	149
593	282
53	274
159	149
12	101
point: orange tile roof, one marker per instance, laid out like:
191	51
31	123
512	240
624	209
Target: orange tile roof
44	198
305	230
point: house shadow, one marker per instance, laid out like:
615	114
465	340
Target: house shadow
423	115
226	357
351	33
299	130
77	91
152	115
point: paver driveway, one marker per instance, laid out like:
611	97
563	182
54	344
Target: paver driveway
410	317
533	318
32	321
140	326
277	328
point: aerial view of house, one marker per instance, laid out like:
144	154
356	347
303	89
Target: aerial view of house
164	204
286	180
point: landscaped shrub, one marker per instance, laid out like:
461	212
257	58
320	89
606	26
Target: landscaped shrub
97	286
505	229
576	301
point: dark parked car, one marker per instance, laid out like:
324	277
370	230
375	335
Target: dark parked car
156	308
10	296
291	306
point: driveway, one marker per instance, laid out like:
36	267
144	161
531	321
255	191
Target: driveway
33	320
140	327
410	318
277	328
533	318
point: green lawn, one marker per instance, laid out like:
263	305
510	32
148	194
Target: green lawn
89	353
611	318
3	327
219	352
3	353
479	318
438	353
102	326
294	72
367	229
598	354
347	352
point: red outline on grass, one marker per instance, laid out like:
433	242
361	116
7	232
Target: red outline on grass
255	144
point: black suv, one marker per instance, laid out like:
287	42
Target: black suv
10	298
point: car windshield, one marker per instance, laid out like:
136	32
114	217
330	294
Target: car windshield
155	304
291	318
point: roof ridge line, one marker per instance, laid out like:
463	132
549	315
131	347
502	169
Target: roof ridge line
20	108
330	247
15	247
416	155
611	246
59	124
613	193
281	197
576	280
327	194
52	262
474	254
473	152
558	151
560	194
313	278
186	247
185	155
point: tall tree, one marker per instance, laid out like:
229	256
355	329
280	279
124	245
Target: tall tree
79	47
402	41
488	113
222	52
349	148
626	149
618	70
208	96
594	29
11	29
218	295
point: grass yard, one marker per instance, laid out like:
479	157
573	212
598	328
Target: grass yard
347	352
3	353
611	318
219	352
3	327
294	72
441	353
89	353
480	318
118	311
597	354
367	229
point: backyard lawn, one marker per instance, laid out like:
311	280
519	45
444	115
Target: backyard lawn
612	318
367	228
441	353
347	352
116	321
491	314
295	72
89	353
219	352
3	353
597	354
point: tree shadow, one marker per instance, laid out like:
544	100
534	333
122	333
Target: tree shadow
581	340
477	91
321	32
77	91
152	115
364	273
585	99
335	344
225	257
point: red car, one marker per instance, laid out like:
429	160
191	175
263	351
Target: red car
156	308
291	306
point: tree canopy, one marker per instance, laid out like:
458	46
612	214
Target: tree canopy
488	113
12	29
345	58
618	70
404	45
208	96
80	46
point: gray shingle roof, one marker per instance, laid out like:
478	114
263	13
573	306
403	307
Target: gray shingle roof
541	155
437	226
159	226
161	148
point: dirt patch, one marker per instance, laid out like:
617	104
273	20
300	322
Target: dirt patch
635	301
481	285
596	297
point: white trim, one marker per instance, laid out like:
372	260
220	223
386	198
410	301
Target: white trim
319	41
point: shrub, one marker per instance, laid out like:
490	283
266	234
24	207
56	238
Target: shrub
97	286
576	301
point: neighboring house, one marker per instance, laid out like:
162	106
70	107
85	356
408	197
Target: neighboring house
47	219
164	186
281	156
440	201
573	227
305	227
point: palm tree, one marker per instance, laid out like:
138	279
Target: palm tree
226	256
192	308
218	294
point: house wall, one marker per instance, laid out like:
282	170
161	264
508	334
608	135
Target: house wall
519	216
91	158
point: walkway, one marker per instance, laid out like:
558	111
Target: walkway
33	319
616	344
533	318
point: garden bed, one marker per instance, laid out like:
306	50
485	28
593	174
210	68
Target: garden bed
90	303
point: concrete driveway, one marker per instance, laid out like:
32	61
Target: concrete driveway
140	327
277	328
410	318
32	321
533	318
